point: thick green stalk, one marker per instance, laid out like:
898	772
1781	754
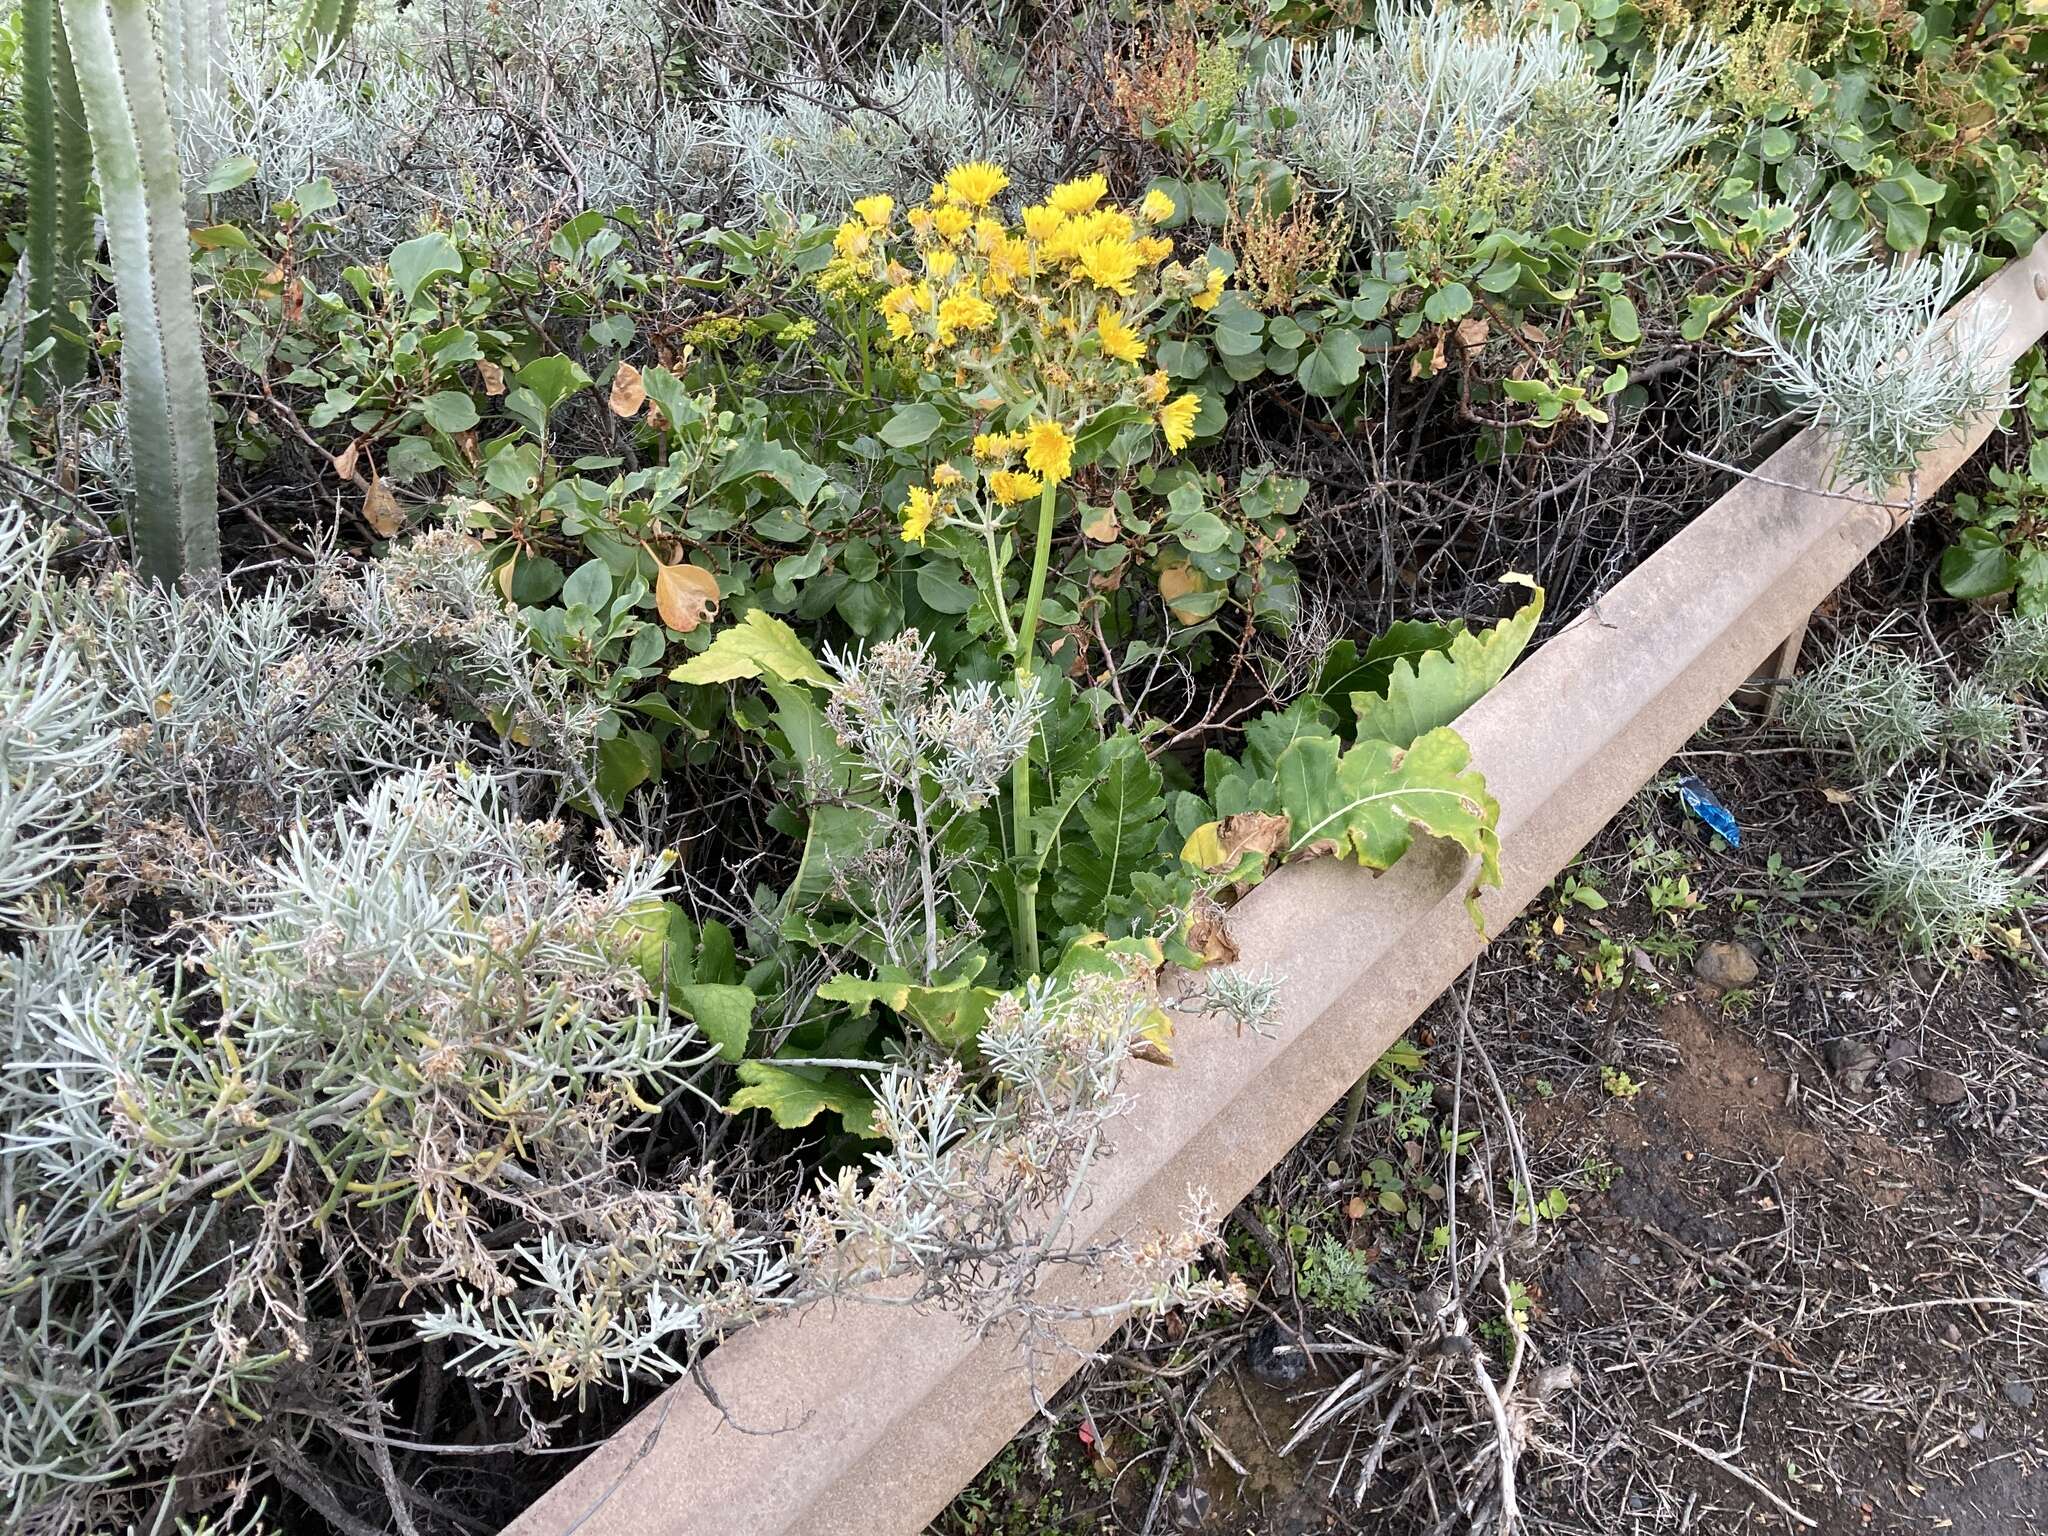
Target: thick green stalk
175	519
1020	778
59	156
327	23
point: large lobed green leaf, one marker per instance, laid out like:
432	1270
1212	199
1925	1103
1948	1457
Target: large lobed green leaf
1368	803
1427	688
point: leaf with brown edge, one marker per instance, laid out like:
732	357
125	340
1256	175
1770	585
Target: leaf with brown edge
686	596
1102	526
382	511
628	392
1178	581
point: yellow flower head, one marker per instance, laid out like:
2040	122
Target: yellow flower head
1209	293
952	221
1042	222
1079	196
1110	264
988	234
1049	450
1009	486
1153	388
1103	224
875	211
946	476
1008	260
1118	339
976	183
963	311
996	445
918	513
852	239
1153	249
920	219
1157	207
1177	421
940	263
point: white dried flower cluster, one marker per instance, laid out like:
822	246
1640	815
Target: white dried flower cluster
973	1195
902	728
1858	342
1383	115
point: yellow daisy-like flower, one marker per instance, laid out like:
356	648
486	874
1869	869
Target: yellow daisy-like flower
1177	421
918	513
946	476
940	263
1041	223
996	445
1110	264
920	219
1153	389
1080	195
952	221
1009	259
1206	297
852	239
963	311
875	212
988	234
1118	339
1104	224
1010	486
1049	449
976	183
1157	207
1153	249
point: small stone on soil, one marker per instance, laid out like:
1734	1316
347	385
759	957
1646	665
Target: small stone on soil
1854	1063
2019	1393
1727	966
1939	1087
1276	1359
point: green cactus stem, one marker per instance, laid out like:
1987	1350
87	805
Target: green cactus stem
175	519
59	166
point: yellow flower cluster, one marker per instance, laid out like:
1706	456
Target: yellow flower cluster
1039	324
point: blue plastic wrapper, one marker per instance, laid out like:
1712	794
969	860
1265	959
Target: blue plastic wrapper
1699	800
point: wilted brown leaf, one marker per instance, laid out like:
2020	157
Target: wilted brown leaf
493	377
686	595
1176	582
628	393
1471	332
345	461
382	511
1102	526
1210	938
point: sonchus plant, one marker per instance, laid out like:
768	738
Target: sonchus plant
1032	341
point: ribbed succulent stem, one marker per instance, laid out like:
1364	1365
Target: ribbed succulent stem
175	519
59	156
192	34
327	23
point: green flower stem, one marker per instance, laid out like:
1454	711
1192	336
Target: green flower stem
1027	634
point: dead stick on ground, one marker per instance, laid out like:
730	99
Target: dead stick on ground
1737	1473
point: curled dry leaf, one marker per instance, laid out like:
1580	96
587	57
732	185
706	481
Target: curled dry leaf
345	461
493	377
1176	582
381	509
1102	526
628	393
686	595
